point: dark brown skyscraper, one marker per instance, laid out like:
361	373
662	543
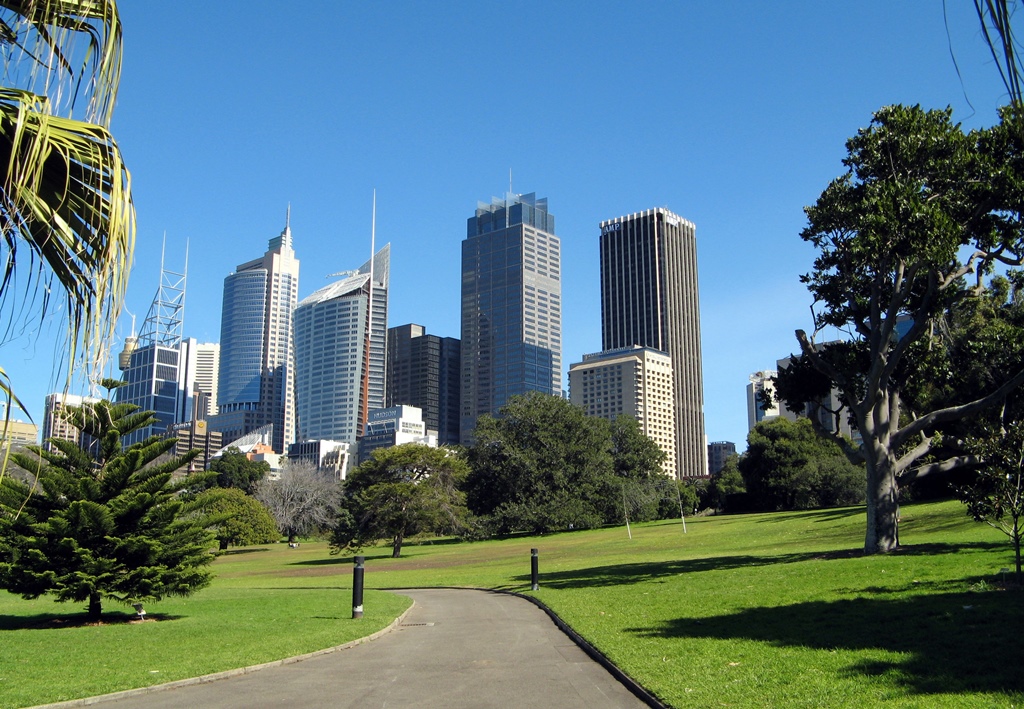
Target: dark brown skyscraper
423	371
649	298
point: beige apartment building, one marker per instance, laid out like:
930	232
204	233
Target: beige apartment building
630	381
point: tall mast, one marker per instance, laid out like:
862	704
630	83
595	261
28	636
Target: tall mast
369	320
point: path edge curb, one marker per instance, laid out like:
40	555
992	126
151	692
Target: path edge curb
638	690
203	679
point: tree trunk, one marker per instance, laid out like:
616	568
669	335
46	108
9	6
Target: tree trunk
95	607
1016	549
882	505
396	546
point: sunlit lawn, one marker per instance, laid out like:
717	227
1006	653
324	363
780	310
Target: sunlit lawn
755	610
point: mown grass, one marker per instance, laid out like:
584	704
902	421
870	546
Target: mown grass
749	611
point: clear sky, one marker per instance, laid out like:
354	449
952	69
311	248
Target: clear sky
731	114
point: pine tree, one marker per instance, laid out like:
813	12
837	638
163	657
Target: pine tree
84	525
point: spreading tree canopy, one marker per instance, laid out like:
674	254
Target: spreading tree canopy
302	500
923	212
87	525
402	491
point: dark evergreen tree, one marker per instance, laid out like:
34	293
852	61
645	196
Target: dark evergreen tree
85	527
541	465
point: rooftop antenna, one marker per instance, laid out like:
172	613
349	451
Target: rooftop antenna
510	180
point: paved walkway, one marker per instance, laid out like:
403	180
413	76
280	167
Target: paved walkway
456	649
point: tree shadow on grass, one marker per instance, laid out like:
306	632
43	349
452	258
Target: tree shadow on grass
247	550
951	642
619	574
55	621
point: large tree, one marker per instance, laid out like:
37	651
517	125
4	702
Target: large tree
401	491
541	465
918	195
302	500
637	461
66	214
234	469
84	525
241	519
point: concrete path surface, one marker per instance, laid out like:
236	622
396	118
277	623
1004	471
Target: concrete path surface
457	648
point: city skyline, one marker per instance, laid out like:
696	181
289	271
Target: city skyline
735	117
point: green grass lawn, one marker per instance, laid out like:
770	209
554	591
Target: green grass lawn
749	611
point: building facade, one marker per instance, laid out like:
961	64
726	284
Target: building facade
649	297
256	379
341	353
632	381
511	306
333	456
761	384
155	365
424	371
207	369
56	424
393	427
718	452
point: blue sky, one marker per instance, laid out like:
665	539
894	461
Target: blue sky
732	114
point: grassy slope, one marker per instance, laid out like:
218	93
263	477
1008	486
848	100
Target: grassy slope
758	610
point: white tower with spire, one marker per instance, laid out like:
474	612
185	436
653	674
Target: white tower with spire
257	356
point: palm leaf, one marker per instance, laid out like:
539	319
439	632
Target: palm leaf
66	196
67	50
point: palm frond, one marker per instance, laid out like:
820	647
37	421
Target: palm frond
65	194
67	50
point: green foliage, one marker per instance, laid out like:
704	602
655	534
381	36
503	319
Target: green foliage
727	481
84	529
918	192
788	466
245	520
542	465
234	469
996	494
399	492
637	460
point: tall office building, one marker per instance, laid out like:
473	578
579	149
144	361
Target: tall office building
760	382
256	383
649	298
424	371
511	306
632	381
154	365
207	368
336	383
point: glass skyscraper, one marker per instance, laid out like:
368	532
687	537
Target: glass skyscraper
336	385
511	306
256	378
649	298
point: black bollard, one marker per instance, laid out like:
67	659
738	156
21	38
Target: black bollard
533	570
357	587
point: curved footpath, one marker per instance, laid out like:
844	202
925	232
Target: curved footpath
455	648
